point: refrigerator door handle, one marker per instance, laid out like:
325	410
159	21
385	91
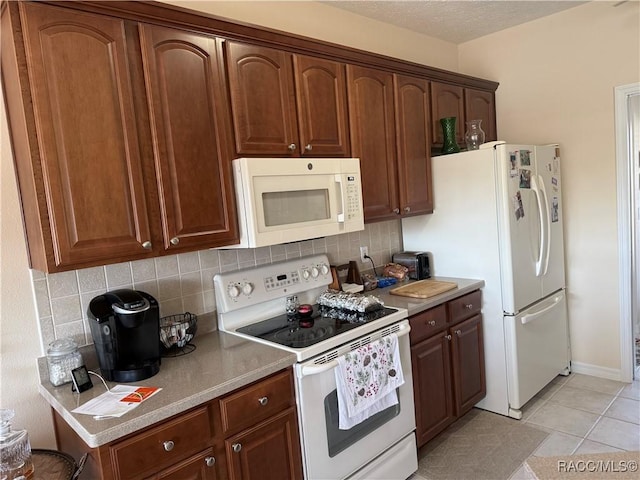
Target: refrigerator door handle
543	226
530	317
545	215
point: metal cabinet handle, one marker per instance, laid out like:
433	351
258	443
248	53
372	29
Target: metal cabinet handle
168	445
292	147
448	337
407	209
147	245
469	306
458	332
210	461
431	323
396	211
175	241
309	147
263	401
236	447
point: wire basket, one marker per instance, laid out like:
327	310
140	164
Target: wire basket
176	331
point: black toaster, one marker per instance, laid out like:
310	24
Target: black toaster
416	262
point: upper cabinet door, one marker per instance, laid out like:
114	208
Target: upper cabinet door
414	145
373	139
447	101
480	104
88	144
184	84
322	107
262	100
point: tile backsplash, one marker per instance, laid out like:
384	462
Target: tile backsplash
184	282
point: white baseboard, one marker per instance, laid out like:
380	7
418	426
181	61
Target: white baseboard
597	371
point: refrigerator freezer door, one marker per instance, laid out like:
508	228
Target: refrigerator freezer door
537	345
548	168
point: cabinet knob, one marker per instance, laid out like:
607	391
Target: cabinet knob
236	447
458	332
396	211
210	461
292	147
174	241
448	337
263	401
431	323
469	306
147	245
309	147
168	445
407	209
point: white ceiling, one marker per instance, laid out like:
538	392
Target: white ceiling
452	20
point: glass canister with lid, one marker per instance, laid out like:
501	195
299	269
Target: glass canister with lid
62	357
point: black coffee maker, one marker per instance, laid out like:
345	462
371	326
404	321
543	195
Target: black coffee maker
125	326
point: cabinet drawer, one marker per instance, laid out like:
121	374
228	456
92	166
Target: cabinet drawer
425	324
464	307
159	447
257	402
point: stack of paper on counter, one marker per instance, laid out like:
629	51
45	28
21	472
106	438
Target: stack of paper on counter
117	401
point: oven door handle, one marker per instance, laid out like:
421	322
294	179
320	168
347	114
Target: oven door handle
307	370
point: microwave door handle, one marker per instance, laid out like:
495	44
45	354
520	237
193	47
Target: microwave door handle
338	179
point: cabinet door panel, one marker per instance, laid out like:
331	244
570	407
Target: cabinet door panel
447	101
432	387
480	104
468	364
184	86
322	107
268	451
88	140
414	145
373	139
199	467
262	99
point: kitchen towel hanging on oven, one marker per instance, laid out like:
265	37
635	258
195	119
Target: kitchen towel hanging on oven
367	379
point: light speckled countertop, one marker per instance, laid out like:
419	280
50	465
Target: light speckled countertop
220	364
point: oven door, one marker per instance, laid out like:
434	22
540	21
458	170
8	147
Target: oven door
331	453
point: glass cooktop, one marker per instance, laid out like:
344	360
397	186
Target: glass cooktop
300	331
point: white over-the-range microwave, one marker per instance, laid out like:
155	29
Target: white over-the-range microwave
283	200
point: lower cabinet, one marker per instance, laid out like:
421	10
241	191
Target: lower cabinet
447	357
251	433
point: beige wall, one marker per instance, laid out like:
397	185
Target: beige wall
557	77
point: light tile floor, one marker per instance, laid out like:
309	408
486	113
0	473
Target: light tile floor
583	414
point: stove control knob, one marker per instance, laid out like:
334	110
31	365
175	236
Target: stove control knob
247	288
324	269
233	291
315	272
305	274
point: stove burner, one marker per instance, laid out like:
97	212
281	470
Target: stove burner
299	337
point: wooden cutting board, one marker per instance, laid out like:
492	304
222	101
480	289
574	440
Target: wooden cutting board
423	288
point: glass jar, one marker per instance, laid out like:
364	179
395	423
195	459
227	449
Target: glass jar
15	450
62	357
474	136
449	144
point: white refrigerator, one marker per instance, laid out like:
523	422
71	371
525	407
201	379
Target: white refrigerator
498	217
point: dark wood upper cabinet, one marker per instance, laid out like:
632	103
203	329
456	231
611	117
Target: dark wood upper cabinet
187	105
373	139
285	104
480	105
414	145
447	101
76	145
321	93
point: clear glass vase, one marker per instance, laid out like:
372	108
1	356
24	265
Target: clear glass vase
474	136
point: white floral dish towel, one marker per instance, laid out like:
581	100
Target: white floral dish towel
366	380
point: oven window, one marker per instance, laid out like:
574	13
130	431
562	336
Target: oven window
295	206
339	440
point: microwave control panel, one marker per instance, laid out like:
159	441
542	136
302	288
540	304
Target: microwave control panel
353	203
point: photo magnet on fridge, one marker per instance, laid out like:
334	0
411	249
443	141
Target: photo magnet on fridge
554	209
517	206
513	159
525	157
525	178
